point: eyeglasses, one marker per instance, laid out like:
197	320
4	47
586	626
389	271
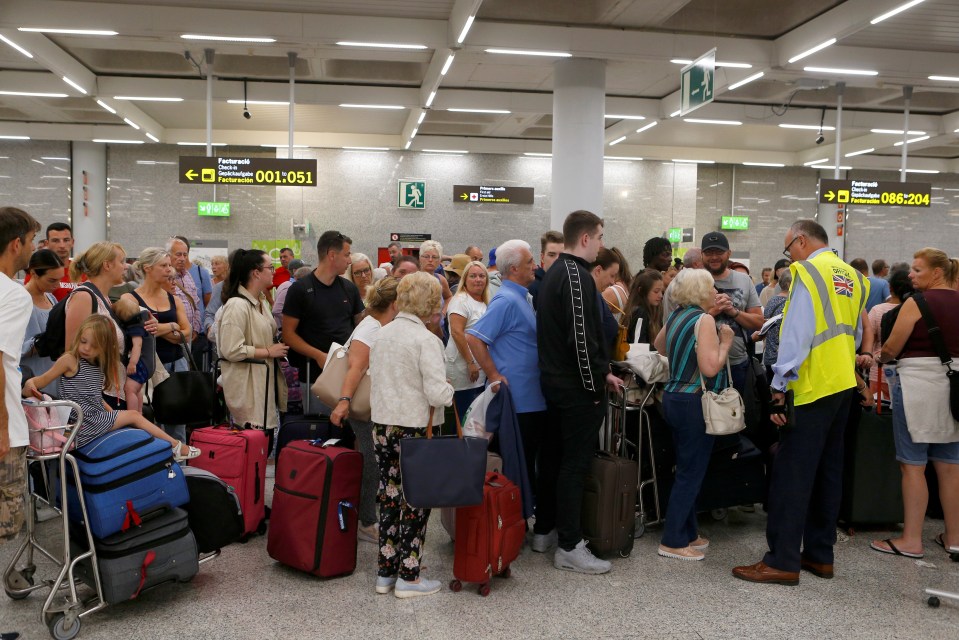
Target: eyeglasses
271	267
363	272
786	250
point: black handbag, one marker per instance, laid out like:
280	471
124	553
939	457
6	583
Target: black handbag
939	344
186	397
445	471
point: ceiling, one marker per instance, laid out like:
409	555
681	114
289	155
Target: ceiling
638	39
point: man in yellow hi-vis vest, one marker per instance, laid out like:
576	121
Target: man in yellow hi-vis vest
821	330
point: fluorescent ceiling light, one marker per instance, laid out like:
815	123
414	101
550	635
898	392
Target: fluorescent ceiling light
422	117
381	45
33	94
823	166
611	116
71	32
132	123
459	151
731	65
734	123
413	134
526	52
899	9
810	127
153	137
694	161
264	102
37	161
54	158
898	132
447	64
812	162
107	107
74	85
809	52
922	171
647	127
371	106
843	72
859	153
534	154
429	101
153	162
16	46
366	148
284	146
920	139
148	98
408	143
675	113
14	137
939	78
630	158
466	29
200	144
480	110
109	141
764	164
755	76
195	36
617	141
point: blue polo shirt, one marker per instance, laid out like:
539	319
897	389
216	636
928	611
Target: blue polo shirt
509	329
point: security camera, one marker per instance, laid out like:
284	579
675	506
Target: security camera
819	139
247	114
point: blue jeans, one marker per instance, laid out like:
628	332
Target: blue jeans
464	398
177	431
917	453
684	413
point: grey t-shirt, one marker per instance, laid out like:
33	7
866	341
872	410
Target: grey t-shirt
742	292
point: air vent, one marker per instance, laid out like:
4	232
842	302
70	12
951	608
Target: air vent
259	66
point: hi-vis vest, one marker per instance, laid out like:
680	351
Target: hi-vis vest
838	295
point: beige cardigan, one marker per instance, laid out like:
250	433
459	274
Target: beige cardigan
246	324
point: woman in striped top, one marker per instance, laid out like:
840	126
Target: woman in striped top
697	358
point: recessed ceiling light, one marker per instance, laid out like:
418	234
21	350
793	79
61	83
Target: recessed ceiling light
810	127
148	98
938	78
55	158
200	144
895	11
480	110
132	123
755	76
647	127
611	116
109	141
466	29
694	161
414	132
263	102
107	107
731	65
16	46
812	162
617	141
408	143
922	171
422	117
14	137
919	139
842	72
371	106
71	32
153	137
447	64
764	164
429	101
525	52
898	132
675	113
809	52
859	153
734	123
33	94
381	45
534	154
284	146
74	85
459	151
195	36
823	166
630	158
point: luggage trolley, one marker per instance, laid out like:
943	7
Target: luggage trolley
618	408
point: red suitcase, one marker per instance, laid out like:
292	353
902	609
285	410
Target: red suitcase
314	518
238	457
489	536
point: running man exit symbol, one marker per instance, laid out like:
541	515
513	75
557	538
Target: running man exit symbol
412	194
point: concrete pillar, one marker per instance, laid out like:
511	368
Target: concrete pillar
89	194
579	110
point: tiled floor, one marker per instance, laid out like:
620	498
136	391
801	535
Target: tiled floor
244	594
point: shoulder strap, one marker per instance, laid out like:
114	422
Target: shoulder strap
935	333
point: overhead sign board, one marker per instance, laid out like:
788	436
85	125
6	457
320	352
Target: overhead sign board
735	223
411	194
696	82
492	195
213	209
410	237
875	193
680	234
254	172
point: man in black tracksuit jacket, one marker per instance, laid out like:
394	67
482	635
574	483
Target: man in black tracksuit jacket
574	372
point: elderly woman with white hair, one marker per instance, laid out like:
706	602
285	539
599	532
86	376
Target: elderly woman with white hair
408	382
360	272
466	306
697	360
431	252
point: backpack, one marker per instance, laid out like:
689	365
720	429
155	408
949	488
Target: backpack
51	343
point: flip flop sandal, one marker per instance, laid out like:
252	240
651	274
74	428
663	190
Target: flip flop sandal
938	540
893	551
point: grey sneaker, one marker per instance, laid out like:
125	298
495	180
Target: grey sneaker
580	560
543	542
385	585
424	587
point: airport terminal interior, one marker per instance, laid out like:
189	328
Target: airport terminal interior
244	123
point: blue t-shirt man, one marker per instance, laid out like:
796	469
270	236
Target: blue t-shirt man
878	291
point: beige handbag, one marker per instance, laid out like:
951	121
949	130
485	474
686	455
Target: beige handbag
329	385
724	412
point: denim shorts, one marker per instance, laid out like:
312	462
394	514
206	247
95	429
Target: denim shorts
917	453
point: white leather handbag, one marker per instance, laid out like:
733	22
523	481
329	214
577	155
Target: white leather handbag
724	412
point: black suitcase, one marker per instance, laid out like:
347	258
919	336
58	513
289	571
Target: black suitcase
736	476
214	512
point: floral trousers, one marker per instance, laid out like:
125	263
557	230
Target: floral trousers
402	528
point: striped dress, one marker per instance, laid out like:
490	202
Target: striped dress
86	389
681	351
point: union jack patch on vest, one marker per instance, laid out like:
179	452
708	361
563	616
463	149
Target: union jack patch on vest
842	285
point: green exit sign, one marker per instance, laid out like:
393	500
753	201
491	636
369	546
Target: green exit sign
735	223
214	209
675	235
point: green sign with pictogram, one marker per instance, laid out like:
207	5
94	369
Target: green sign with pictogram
735	223
213	209
411	194
696	82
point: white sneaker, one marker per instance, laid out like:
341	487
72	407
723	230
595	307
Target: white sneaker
424	587
580	559
543	542
385	585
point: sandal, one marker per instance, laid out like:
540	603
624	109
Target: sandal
893	551
179	457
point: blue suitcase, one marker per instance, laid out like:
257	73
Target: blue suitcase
125	473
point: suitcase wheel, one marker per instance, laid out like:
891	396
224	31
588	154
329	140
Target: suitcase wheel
507	572
639	528
718	514
456	586
483	589
933	602
261	528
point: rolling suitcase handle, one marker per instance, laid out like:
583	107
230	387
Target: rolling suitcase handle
266	399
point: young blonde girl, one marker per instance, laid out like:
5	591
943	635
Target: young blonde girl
94	355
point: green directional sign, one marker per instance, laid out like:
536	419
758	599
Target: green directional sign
675	235
735	223
411	194
696	82
213	209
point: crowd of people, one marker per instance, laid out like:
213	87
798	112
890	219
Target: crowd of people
433	330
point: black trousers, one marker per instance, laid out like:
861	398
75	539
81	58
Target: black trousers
542	448
806	487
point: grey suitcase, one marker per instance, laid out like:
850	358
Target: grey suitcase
161	549
609	505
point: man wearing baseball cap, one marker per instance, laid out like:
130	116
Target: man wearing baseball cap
737	304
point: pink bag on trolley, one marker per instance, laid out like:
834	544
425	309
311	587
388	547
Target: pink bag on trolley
47	426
